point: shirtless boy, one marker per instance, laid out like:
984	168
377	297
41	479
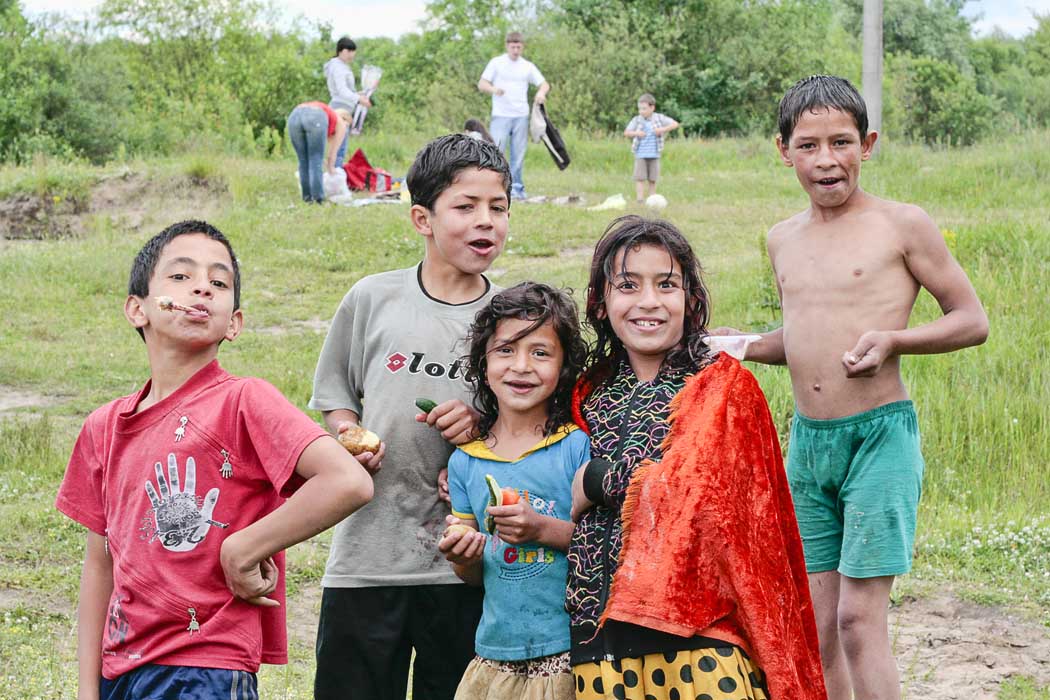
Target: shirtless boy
848	270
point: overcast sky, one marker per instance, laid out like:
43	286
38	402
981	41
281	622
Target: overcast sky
364	18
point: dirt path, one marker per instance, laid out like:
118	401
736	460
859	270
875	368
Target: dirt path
946	649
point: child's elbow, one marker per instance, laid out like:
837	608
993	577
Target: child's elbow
355	489
981	329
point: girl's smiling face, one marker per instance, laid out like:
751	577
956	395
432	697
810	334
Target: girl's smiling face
523	373
645	306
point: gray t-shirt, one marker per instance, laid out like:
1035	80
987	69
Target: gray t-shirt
388	345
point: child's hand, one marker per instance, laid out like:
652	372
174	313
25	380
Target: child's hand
456	420
867	356
249	581
459	546
443	493
371	461
580	503
517	523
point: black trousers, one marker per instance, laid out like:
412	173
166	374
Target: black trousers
366	636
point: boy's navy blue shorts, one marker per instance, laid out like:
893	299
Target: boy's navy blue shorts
154	682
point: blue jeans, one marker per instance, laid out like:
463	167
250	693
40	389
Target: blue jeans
308	130
512	131
153	681
340	155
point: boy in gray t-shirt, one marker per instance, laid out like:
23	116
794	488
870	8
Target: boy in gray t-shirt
397	336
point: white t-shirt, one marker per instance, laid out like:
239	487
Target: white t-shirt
513	77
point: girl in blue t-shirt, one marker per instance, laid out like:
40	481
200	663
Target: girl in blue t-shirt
525	354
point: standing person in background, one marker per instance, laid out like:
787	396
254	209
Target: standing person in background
507	78
342	88
646	132
316	130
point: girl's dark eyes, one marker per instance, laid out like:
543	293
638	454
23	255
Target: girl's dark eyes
179	276
219	283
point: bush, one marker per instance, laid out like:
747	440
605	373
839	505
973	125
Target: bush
937	104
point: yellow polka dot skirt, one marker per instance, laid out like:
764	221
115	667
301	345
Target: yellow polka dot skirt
721	673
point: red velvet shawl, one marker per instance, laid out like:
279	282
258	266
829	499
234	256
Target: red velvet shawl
711	544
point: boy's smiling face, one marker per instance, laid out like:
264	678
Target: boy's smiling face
468	226
645	110
826	151
195	271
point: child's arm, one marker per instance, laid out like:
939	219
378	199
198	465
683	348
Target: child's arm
464	550
519	523
964	322
96	588
456	420
671	125
336	485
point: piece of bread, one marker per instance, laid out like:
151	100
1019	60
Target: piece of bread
358	439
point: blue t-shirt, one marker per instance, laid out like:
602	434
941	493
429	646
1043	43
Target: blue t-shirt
523	615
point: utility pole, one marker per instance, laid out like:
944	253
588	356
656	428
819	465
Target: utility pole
871	78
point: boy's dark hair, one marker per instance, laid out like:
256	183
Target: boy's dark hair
817	92
146	260
344	43
647	99
514	37
439	162
540	304
477	127
628	233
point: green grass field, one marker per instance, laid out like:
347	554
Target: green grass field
984	528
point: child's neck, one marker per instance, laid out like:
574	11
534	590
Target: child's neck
169	370
448	284
857	200
513	433
645	367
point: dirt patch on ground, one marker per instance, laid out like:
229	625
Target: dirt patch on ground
11	400
948	649
130	200
313	325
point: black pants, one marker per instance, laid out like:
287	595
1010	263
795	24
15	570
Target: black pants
366	636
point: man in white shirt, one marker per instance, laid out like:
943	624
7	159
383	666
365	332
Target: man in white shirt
507	78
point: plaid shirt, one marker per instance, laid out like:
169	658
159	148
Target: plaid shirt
658	120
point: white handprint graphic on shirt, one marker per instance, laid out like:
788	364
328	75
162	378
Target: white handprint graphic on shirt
180	519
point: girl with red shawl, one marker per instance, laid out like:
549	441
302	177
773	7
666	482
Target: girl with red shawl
686	576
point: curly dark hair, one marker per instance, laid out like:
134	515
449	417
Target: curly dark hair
540	304
628	233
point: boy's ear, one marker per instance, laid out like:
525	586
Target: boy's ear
420	217
867	144
134	311
782	149
236	324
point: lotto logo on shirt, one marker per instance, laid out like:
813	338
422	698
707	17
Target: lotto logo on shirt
417	363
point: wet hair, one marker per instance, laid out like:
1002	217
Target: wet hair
820	92
475	126
647	99
515	38
439	163
540	304
626	234
344	43
146	260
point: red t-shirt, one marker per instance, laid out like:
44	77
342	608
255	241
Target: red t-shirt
165	487
329	112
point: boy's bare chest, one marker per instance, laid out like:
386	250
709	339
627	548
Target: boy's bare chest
846	267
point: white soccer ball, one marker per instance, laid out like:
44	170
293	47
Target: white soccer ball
656	201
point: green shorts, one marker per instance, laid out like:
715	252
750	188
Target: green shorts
856	483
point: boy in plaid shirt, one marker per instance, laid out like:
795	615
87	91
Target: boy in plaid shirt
646	132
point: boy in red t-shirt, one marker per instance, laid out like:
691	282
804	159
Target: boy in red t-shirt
182	488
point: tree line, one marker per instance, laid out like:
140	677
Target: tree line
143	77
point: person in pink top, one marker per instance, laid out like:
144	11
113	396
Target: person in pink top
316	131
190	489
